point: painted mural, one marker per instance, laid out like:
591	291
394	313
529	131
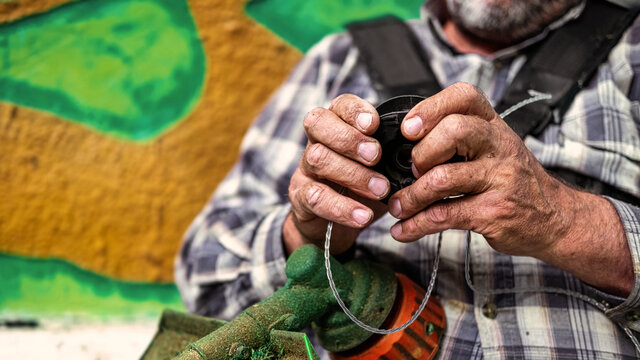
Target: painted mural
53	288
118	118
125	68
303	23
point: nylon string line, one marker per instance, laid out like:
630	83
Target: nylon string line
535	96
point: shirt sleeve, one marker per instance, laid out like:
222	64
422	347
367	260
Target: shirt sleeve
627	311
232	255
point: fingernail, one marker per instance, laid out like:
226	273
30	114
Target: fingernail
414	170
412	126
361	216
395	208
368	150
396	230
378	186
364	121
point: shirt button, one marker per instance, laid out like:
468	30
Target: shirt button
490	311
560	138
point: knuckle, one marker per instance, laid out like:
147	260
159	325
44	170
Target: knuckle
316	157
471	95
439	178
456	126
312	117
466	89
313	196
438	213
348	107
341	100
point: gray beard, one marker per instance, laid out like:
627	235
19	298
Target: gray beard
506	22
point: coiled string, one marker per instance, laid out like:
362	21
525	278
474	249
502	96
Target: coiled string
467	275
332	285
535	96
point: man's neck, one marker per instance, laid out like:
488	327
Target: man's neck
467	43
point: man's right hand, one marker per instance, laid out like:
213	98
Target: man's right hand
338	154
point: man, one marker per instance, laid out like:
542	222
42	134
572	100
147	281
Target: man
529	229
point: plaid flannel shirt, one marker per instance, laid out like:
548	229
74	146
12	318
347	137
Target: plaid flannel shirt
232	255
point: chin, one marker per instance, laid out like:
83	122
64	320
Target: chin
506	21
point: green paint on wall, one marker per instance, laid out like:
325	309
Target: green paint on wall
130	68
53	288
302	23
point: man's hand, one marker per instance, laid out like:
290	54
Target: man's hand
339	153
507	195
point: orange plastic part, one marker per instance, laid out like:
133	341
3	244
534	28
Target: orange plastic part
419	341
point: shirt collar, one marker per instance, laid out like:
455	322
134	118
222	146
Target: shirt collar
433	12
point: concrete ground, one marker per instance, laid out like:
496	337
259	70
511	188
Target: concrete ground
97	341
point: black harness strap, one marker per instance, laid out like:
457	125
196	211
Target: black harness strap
563	63
394	59
560	65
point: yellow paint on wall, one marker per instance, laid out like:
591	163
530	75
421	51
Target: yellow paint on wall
121	208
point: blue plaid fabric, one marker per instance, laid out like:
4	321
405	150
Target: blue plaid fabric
232	255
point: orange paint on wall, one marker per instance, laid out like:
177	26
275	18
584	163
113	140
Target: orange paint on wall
15	9
121	208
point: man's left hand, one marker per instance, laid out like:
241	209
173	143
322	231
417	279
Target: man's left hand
503	193
507	195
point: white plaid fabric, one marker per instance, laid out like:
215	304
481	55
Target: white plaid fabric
233	256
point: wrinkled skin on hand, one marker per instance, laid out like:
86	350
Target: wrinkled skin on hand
501	191
507	195
339	153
